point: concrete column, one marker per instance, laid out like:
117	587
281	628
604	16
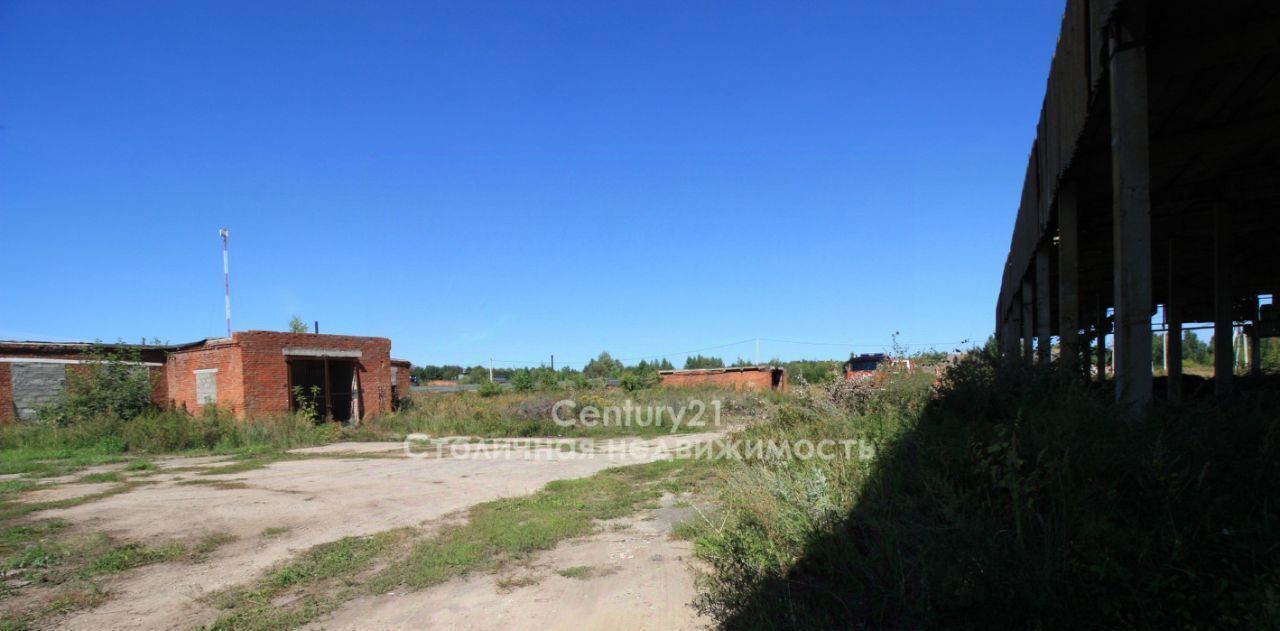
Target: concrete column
1252	340
1102	342
1028	319
1224	360
1173	336
1068	275
1044	342
1086	354
1131	218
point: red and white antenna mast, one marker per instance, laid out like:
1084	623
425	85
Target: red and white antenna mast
226	277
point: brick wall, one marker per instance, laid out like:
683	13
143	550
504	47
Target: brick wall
266	374
69	353
743	379
180	376
403	384
6	395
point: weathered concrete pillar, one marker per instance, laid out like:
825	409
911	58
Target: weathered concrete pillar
1028	319
1252	340
1068	275
1086	354
1102	342
1044	316
1173	334
1224	360
1131	217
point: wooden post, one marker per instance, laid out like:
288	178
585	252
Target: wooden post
1131	216
1173	332
1044	330
288	381
1223	330
1068	276
328	398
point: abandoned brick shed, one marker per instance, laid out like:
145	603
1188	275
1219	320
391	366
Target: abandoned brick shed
743	377
347	378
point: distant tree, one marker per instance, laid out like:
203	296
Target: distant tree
522	380
698	361
1194	350
602	367
296	325
476	374
740	363
1157	349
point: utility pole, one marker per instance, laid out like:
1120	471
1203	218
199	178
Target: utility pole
553	363
226	278
490	369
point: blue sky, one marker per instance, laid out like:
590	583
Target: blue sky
516	179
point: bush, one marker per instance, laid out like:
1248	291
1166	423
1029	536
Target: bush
112	384
489	389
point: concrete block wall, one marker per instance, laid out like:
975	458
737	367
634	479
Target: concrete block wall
37	382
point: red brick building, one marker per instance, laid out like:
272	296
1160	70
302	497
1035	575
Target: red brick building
742	377
346	378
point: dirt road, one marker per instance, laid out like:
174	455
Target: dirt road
363	488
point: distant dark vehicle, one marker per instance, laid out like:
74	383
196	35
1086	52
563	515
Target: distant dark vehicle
413	379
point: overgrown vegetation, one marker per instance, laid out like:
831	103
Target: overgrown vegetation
526	414
1011	498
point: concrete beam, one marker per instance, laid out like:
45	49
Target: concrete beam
1173	336
1068	275
1131	219
1224	359
1044	295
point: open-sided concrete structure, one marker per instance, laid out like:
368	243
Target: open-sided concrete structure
1154	179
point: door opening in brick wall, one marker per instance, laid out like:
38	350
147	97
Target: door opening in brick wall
331	385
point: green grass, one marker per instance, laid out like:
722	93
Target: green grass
65	565
1011	498
586	572
13	509
493	535
274	531
140	465
131	555
100	477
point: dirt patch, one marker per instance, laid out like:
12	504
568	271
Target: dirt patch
318	500
56	493
633	577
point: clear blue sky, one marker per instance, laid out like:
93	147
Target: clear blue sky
516	179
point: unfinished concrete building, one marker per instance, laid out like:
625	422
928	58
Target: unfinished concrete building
1153	180
742	377
345	378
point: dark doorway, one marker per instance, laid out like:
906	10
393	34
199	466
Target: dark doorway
328	384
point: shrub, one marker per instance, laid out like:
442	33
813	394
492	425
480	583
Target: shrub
489	389
112	383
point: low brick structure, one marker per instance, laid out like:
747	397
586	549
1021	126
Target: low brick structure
346	378
33	373
742	377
